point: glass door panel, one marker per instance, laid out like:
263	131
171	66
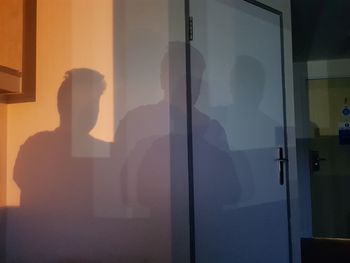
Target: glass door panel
238	133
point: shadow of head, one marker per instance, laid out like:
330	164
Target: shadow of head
248	80
174	72
79	97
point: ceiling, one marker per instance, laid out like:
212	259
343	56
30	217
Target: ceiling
321	29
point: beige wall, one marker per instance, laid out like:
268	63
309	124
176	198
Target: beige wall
75	34
3	144
3	159
326	102
70	34
79	33
334	68
328	86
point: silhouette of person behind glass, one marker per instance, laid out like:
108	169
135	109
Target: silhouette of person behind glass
254	137
54	171
245	121
157	162
143	125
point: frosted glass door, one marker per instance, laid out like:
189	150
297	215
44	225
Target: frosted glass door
240	186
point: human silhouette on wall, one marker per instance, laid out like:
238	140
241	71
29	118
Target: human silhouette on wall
54	171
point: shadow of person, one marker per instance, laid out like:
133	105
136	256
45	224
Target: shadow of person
247	89
155	169
254	138
54	171
251	130
145	124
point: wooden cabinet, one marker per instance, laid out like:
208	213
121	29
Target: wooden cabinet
17	50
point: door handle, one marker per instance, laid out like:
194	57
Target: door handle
281	161
315	161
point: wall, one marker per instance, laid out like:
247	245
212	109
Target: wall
3	163
93	175
328	68
60	47
3	136
326	102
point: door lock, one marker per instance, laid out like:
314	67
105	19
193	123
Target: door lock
315	161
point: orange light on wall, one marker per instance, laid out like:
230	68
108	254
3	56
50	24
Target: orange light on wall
17	50
69	34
